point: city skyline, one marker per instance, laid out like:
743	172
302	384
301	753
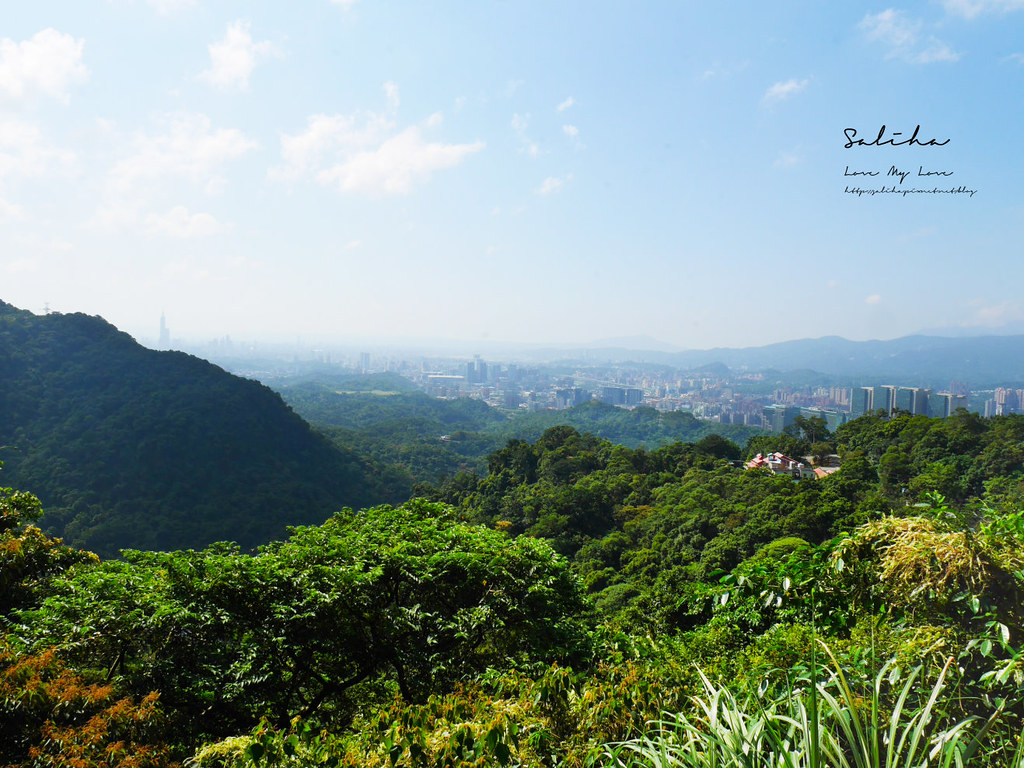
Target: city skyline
515	173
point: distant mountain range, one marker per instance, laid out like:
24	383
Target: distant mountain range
979	360
925	359
133	448
921	360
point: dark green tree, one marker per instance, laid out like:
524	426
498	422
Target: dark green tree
402	596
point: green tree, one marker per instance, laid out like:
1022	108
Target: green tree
813	428
718	446
791	445
28	557
316	625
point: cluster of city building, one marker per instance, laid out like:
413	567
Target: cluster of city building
1004	402
770	402
887	398
731	398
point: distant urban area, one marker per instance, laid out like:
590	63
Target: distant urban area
770	400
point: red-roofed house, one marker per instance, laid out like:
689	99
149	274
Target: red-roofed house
779	464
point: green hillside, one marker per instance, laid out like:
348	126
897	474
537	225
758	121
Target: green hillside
418	437
129	447
426	439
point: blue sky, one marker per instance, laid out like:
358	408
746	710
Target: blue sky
543	172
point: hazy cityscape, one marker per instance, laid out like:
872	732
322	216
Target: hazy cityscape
769	400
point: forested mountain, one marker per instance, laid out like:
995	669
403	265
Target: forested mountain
349	404
418	437
130	447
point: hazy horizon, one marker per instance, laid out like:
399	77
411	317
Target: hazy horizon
453	346
514	174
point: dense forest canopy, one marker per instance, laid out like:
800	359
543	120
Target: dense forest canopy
549	610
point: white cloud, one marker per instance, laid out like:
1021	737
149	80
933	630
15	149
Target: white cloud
394	166
346	4
167	7
329	137
552	184
1017	57
25	154
891	27
179	223
781	91
186	147
49	63
566	104
519	125
971	8
183	147
995	315
233	59
874	298
366	152
902	36
573	133
937	51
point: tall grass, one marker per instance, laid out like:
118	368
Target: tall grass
822	724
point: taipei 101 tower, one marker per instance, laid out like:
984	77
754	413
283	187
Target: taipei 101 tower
165	334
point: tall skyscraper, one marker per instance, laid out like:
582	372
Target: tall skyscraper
939	405
165	334
913	400
778	417
860	403
885	399
1006	401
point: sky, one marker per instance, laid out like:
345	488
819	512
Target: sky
514	170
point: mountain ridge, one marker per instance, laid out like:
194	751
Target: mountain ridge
129	447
